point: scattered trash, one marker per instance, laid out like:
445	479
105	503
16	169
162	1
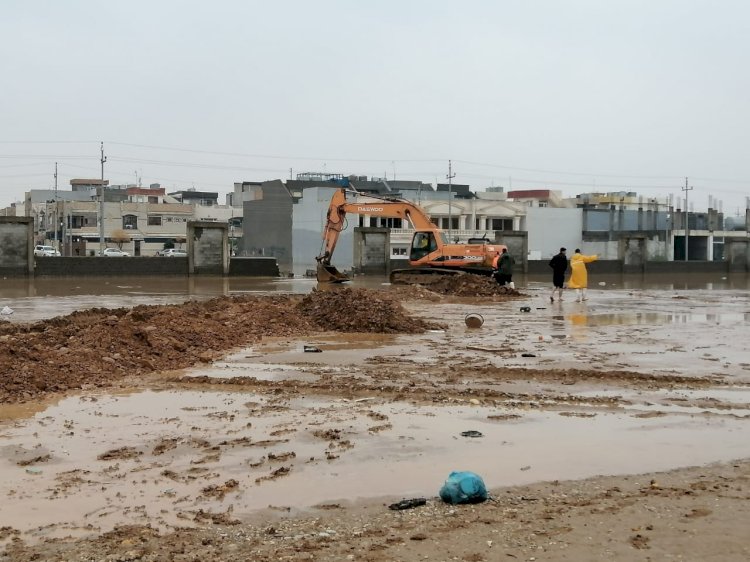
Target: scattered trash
472	433
33	470
463	487
407	504
525	468
525	309
528	355
559	336
602	283
474	320
312	349
6	310
541	308
169	492
435	331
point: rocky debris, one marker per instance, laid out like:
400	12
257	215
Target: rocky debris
471	286
344	309
119	454
219	491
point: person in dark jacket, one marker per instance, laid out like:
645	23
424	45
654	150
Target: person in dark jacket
559	265
505	269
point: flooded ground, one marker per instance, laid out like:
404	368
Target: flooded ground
33	299
638	379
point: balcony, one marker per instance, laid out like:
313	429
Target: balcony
404	235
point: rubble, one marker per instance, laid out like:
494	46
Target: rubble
471	286
360	310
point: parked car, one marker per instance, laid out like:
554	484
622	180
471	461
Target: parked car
45	251
113	253
172	253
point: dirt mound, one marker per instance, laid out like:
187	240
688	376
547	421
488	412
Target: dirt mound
471	286
360	310
99	345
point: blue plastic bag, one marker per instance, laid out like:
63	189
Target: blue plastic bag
463	487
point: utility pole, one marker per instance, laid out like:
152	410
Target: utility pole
450	177
54	224
686	189
102	159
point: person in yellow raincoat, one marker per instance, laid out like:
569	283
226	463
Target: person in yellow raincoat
579	278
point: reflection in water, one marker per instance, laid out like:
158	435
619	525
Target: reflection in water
654	318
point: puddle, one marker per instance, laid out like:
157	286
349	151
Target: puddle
153	456
655	318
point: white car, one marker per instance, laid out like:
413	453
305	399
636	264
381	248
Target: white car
173	253
113	253
45	251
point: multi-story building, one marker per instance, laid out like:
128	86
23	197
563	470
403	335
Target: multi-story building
138	219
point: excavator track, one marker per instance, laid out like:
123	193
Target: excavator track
422	275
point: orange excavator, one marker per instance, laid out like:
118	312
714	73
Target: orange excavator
431	256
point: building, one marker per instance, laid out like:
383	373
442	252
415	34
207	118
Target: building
139	219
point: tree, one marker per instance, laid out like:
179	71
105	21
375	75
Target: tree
119	237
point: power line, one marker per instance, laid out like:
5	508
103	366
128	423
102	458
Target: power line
272	156
541	171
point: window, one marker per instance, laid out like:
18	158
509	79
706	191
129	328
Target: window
449	223
501	224
153	199
129	222
422	244
154	221
398	252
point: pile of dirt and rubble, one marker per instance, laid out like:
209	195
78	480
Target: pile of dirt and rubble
470	286
97	346
360	310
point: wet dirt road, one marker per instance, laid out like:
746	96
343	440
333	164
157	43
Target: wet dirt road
633	380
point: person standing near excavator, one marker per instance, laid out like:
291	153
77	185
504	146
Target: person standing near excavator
559	265
505	269
578	275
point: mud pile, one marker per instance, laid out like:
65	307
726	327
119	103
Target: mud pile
471	286
360	310
98	346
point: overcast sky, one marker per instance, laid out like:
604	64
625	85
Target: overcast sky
579	96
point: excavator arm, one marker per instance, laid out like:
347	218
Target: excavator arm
391	208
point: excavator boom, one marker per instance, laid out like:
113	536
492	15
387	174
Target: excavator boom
430	251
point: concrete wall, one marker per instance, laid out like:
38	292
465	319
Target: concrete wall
254	267
16	245
99	266
549	229
308	218
372	251
737	253
267	224
208	248
145	266
517	243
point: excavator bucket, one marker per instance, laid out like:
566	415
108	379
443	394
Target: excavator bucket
329	274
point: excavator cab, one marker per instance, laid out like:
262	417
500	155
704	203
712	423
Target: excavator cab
423	244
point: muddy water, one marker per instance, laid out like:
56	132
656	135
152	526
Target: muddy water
87	463
33	299
167	448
